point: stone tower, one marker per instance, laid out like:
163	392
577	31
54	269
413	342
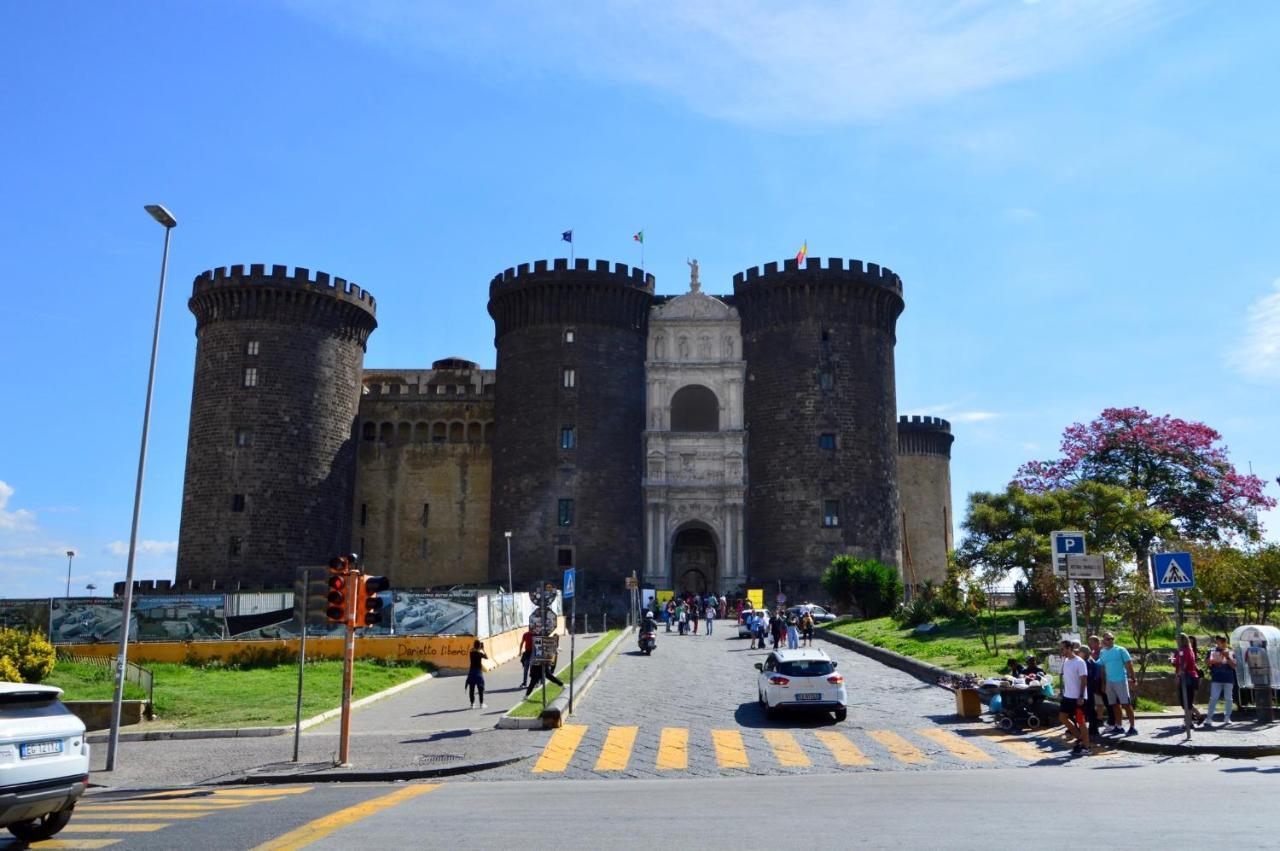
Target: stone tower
271	449
820	409
924	492
569	415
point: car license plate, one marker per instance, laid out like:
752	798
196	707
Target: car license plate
809	696
34	749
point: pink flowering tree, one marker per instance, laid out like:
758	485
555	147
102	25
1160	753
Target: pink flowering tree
1181	466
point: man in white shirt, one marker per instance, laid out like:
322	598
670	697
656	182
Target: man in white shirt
1075	685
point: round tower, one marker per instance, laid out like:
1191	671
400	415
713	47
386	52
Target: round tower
924	494
569	408
820	411
271	448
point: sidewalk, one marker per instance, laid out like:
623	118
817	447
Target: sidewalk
426	730
1164	735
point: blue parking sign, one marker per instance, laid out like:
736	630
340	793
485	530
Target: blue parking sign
1172	571
570	579
1065	544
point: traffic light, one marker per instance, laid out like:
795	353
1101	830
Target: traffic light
339	574
368	601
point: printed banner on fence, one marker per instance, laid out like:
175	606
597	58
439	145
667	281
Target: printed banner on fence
180	617
431	614
28	615
73	621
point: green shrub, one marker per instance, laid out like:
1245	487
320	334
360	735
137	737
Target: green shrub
874	587
921	609
28	654
9	671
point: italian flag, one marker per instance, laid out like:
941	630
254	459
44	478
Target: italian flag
638	236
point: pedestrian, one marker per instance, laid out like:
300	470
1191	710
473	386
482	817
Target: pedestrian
694	606
1100	687
541	671
475	674
779	628
669	613
724	607
1117	667
1075	684
1222	668
681	617
806	627
761	628
793	632
711	618
526	656
1188	673
1094	687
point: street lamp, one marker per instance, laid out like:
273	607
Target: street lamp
511	589
91	588
166	219
70	555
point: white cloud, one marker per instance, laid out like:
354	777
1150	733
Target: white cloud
150	548
759	61
953	412
38	551
18	520
1257	353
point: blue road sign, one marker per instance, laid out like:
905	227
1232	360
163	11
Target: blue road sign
570	579
1065	544
1172	570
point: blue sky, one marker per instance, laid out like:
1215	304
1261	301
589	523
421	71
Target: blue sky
1080	198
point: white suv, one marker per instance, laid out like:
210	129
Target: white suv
44	761
800	679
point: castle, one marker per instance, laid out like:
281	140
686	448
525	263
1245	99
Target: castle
707	443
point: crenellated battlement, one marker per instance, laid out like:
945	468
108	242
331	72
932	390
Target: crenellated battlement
281	276
920	435
770	274
541	271
922	423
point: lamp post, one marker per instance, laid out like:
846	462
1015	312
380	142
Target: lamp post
91	588
70	555
511	589
166	219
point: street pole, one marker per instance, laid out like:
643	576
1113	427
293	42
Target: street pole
302	660
511	589
348	659
165	218
573	613
70	555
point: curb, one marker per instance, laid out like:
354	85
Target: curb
100	737
555	708
916	668
1187	749
385	776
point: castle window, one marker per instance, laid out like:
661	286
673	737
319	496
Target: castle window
565	515
567	439
426	514
568	335
244	437
462	389
439	389
475	433
695	408
251	348
564	557
825	380
250	376
438	433
569	376
831	513
364	514
827	440
422	553
237	502
237	544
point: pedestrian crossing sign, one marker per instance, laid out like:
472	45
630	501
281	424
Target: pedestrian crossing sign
1172	571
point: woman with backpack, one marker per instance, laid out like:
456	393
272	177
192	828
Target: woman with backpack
806	627
793	632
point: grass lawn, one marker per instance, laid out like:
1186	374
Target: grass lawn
532	705
195	697
956	645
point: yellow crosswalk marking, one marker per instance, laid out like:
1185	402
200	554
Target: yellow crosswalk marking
730	752
149	814
956	744
177	806
786	749
673	749
79	827
314	831
259	791
1016	745
898	747
564	743
845	751
616	752
75	843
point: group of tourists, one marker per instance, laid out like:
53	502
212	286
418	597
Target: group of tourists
1102	669
794	627
686	612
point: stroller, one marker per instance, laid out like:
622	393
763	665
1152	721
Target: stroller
1020	707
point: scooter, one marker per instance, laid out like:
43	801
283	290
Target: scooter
648	641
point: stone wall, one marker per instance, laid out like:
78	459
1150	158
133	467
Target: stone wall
924	490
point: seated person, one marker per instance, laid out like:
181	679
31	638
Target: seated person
1032	669
1015	669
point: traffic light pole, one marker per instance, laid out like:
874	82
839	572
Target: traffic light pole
302	660
348	659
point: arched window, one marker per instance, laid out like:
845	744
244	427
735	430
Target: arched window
405	431
488	432
474	432
695	408
387	432
421	432
457	433
439	433
369	431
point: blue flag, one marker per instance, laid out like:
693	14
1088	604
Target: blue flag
567	236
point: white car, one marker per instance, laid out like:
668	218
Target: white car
44	761
803	678
743	630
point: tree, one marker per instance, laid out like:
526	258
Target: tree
1260	571
1140	611
1180	466
980	609
838	583
875	587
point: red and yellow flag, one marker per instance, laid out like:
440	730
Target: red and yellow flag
804	251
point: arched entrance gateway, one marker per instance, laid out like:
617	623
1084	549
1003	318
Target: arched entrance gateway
694	560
